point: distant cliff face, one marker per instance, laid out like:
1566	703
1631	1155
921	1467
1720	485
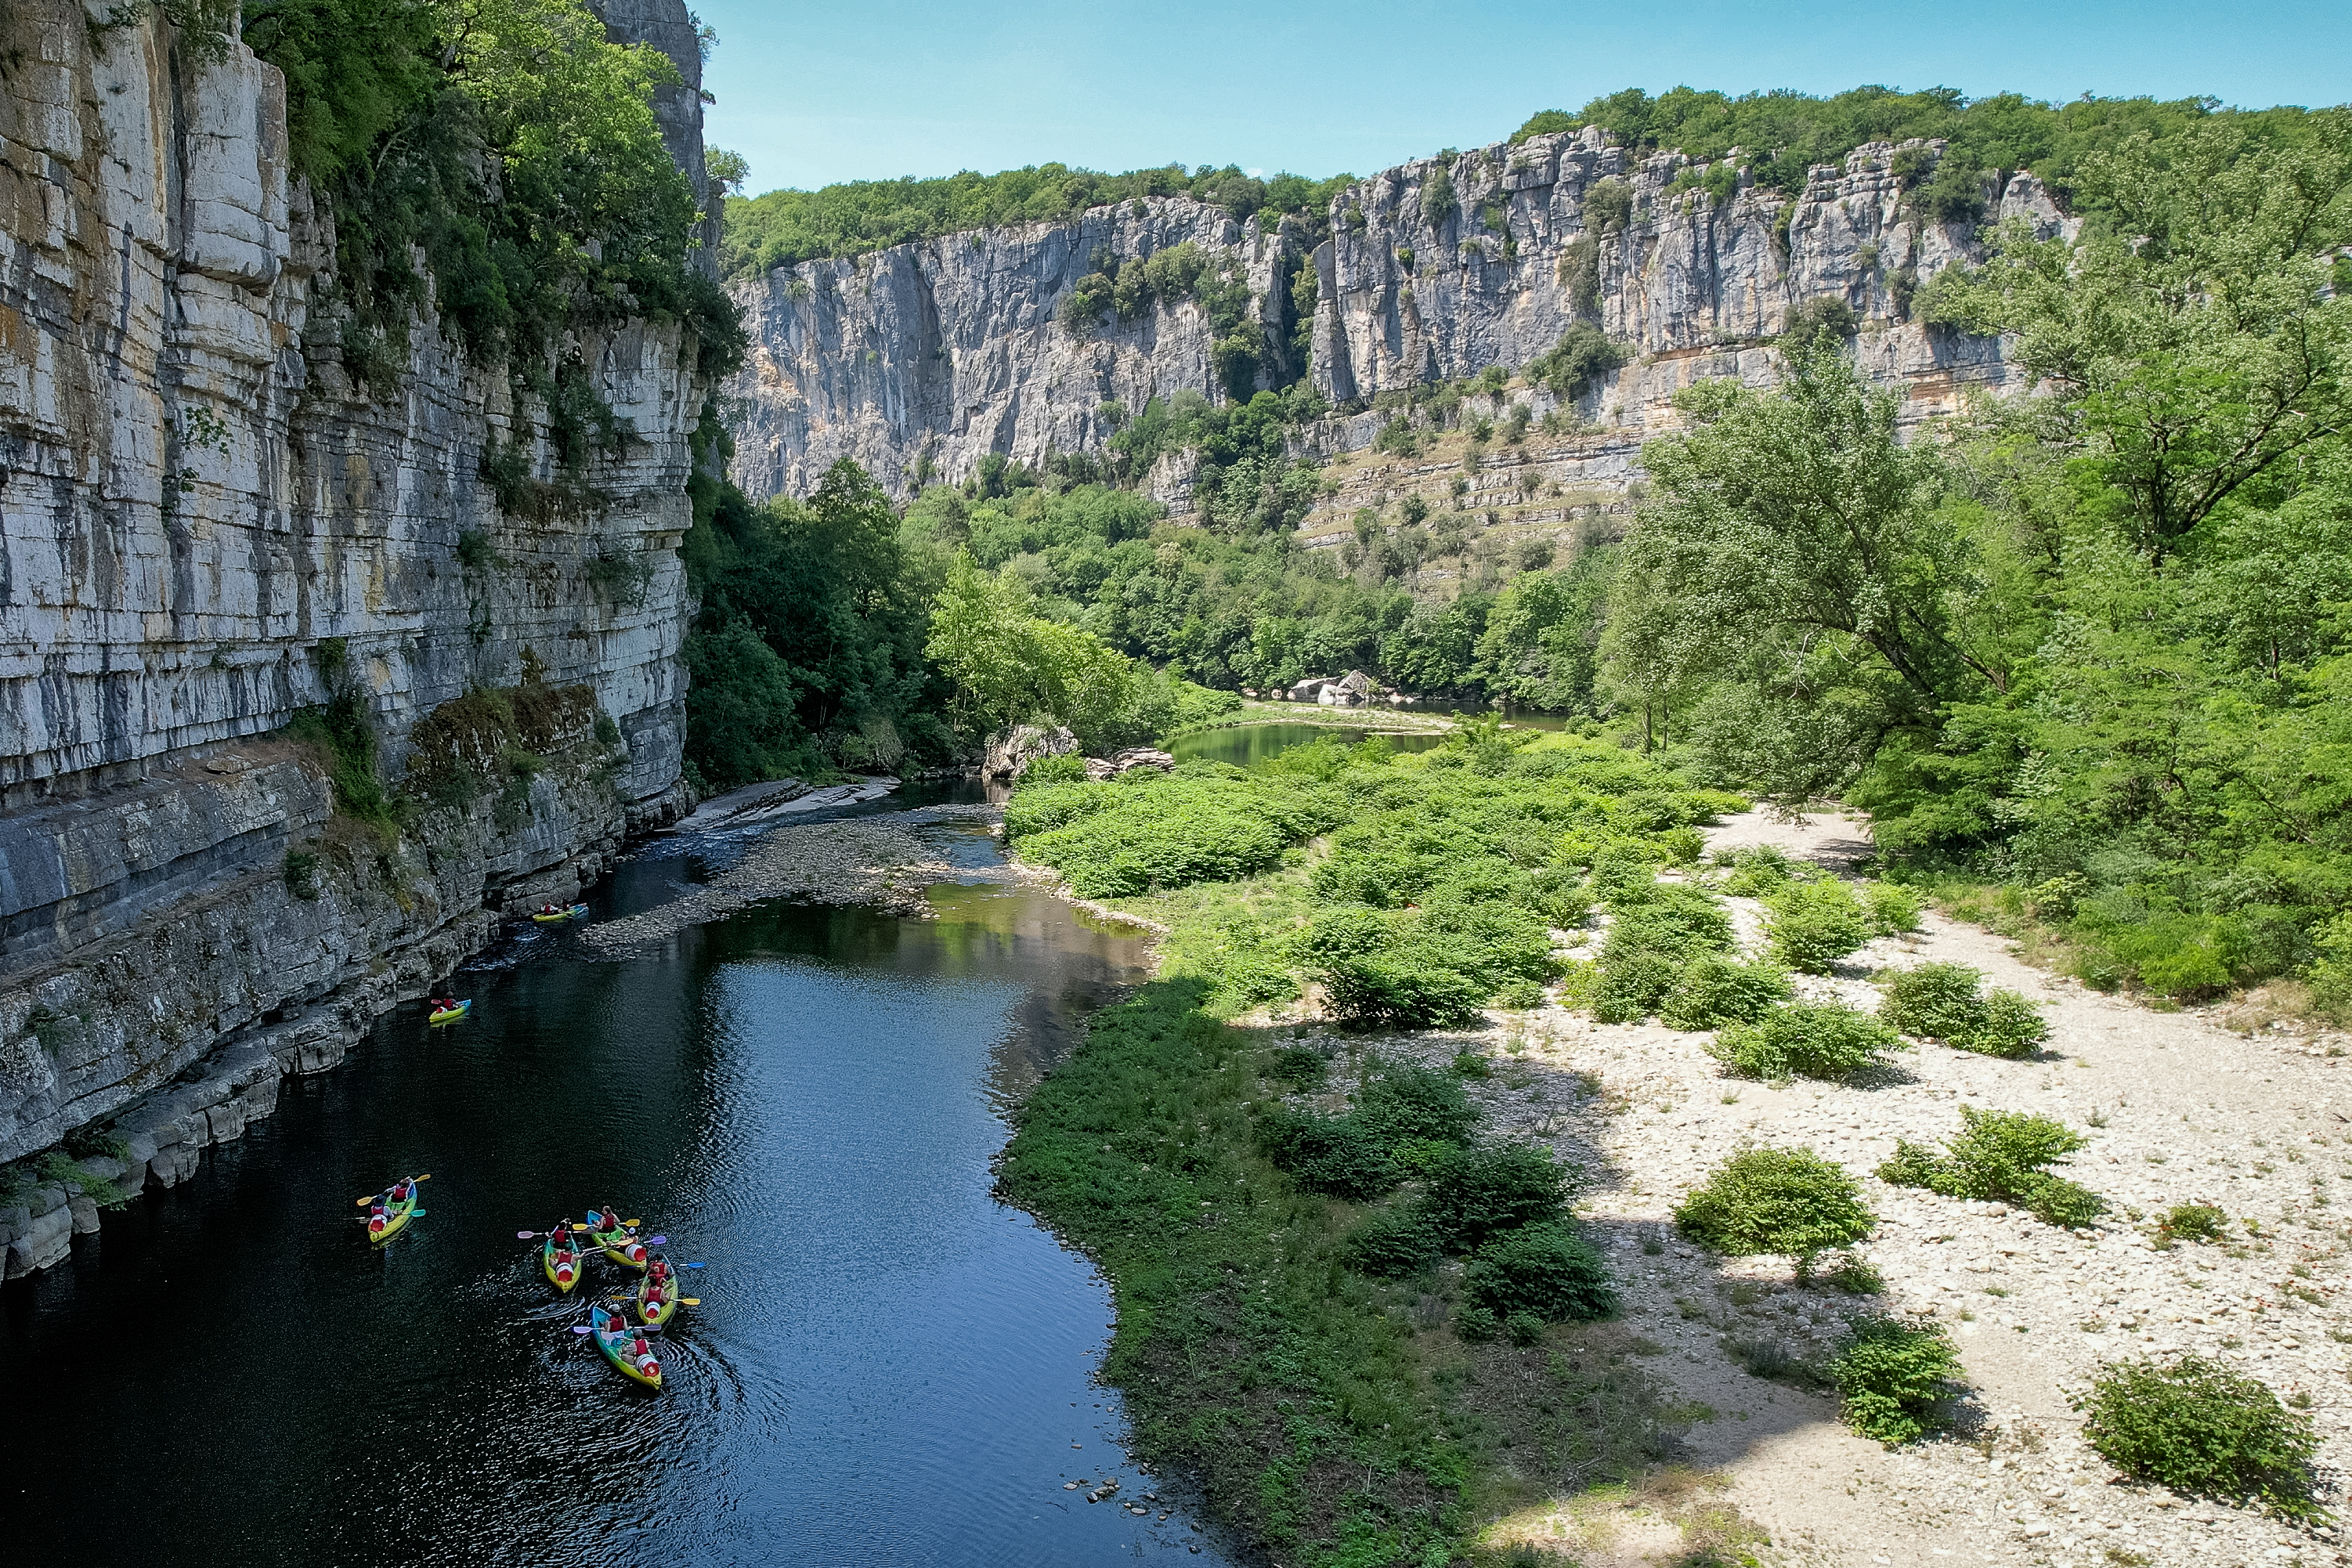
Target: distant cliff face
928	357
949	349
206	523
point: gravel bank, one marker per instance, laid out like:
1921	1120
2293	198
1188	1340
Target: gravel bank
2177	1109
869	860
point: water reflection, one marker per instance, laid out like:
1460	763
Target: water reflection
888	1366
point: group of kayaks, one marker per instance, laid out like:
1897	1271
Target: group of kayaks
656	1298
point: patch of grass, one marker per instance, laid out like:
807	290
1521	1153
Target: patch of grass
1896	1379
2192	1222
2001	1155
1790	1202
1806	1039
2198	1426
1319	1410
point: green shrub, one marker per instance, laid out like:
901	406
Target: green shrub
2001	1156
1301	1067
1634	985
1941	1002
1391	1244
1760	871
1855	1277
1544	1270
1401	991
1896	1379
2192	1222
1407	1102
1815	924
1713	990
1806	1039
1787	1201
1477	1326
1890	909
301	873
1480	1192
1333	1154
2199	1427
1068	767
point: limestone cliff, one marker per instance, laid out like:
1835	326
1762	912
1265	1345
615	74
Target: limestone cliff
949	349
206	526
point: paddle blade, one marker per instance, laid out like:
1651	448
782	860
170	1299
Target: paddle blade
689	1301
363	1203
656	1240
426	1177
583	1329
526	1235
633	1224
694	1266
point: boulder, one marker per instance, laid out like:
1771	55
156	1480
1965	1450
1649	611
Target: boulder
173	1164
15	1221
84	1210
45	1243
1127	762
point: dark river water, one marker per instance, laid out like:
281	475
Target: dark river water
887	1365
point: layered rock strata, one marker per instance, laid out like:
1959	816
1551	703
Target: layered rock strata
923	358
206	526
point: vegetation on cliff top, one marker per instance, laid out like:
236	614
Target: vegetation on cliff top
782	227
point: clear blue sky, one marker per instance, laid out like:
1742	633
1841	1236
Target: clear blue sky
816	93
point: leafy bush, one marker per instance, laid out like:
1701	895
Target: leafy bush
1654	930
1480	1192
2001	1156
2199	1427
1400	991
1068	767
1894	1378
2192	1222
1391	1244
1815	924
1334	1154
1760	871
1713	990
1940	1001
1403	1103
1891	910
1786	1200
1807	1039
1301	1067
1545	1270
1633	986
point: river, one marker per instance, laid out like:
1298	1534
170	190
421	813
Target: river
888	1366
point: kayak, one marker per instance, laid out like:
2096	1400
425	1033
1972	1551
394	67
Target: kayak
450	1015
573	913
566	1274
657	1314
395	1219
615	1339
622	1246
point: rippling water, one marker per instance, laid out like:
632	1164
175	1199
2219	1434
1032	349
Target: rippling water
888	1366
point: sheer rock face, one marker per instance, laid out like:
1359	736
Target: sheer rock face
923	358
197	500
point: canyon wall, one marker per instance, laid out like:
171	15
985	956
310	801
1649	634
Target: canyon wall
207	526
925	357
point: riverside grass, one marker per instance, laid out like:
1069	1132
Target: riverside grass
1333	1413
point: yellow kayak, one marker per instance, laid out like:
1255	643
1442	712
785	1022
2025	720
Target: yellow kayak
394	1220
622	1246
657	1314
571	914
563	1270
618	1342
450	1015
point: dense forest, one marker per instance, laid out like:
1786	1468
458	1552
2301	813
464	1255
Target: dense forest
2087	647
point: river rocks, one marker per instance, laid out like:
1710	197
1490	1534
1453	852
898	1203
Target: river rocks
47	1237
1127	762
1010	751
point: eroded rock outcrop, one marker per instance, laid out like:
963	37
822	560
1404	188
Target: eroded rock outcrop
207	524
921	359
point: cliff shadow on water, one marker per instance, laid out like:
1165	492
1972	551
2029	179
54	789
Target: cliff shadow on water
886	1365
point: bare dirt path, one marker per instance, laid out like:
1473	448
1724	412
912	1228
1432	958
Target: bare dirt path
2177	1109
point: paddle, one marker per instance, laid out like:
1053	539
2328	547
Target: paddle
363	1203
